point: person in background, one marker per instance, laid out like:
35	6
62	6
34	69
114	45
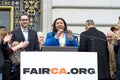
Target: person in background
15	60
24	33
60	35
4	48
15	57
117	51
93	40
1	54
112	57
114	28
5	51
41	39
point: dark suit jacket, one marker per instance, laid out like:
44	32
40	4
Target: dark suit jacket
17	35
1	57
5	51
94	40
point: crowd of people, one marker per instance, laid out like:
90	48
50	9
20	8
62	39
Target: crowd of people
91	40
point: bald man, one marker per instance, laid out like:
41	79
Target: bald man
40	39
110	36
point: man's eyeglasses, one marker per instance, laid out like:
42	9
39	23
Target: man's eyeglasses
24	19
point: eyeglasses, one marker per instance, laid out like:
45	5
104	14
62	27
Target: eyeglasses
109	36
24	19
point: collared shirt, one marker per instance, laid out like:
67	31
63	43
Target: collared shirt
0	76
25	34
62	41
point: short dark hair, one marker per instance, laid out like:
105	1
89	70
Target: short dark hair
22	15
54	27
119	17
2	27
90	22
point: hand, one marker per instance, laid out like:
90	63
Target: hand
23	44
15	43
70	35
7	38
20	45
112	74
59	32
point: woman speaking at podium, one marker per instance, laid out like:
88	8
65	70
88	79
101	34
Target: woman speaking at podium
60	36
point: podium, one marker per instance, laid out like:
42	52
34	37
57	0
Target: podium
59	66
57	48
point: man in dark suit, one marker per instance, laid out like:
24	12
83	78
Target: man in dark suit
93	40
23	33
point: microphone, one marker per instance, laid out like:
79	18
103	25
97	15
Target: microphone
76	34
85	35
72	33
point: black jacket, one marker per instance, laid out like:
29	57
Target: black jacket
94	40
17	35
1	57
5	51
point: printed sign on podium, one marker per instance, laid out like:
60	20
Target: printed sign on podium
59	66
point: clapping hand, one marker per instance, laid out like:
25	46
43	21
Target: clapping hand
20	45
59	32
7	38
70	35
23	44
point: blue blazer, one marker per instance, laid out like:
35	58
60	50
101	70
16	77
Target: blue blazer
52	41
